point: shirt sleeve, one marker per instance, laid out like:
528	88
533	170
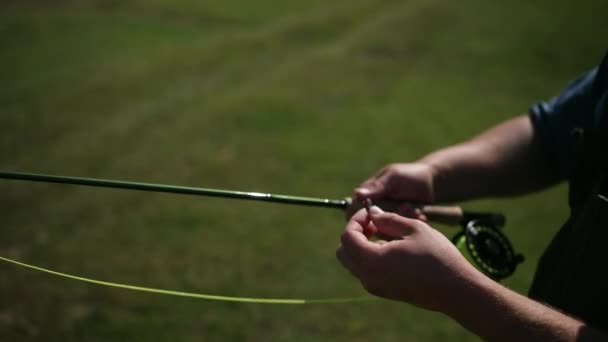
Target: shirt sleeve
557	119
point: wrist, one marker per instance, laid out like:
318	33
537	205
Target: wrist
476	304
434	173
472	289
456	172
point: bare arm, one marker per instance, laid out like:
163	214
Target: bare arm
507	159
446	282
498	314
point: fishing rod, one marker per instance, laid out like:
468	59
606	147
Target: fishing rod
451	215
480	239
184	190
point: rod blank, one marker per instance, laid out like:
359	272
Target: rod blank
106	183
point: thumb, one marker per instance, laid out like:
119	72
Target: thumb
392	224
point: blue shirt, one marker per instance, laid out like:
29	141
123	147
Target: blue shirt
584	100
574	126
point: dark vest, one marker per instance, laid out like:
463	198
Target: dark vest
572	274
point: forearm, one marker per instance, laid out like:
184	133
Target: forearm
496	313
507	159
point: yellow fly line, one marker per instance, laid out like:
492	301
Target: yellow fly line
291	301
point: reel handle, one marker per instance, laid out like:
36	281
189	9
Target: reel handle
445	214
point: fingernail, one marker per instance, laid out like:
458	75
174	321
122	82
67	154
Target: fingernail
375	210
363	191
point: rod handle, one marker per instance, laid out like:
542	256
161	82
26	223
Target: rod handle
450	215
446	214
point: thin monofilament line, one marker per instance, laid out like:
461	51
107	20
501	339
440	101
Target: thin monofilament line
292	301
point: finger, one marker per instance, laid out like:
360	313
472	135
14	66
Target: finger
353	206
359	217
370	229
392	224
346	261
409	210
363	219
372	188
387	238
406	210
355	243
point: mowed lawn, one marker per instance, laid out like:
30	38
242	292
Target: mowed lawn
305	98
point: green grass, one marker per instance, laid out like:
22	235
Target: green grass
308	98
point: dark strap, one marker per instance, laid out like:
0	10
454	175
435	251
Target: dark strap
595	165
600	148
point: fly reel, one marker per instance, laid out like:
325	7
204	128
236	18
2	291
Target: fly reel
487	248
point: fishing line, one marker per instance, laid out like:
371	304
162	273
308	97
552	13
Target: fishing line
480	240
255	196
253	300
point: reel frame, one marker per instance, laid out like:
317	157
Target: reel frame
486	247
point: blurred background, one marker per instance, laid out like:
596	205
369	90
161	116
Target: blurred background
305	98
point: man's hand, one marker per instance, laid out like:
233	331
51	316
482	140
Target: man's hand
397	186
399	182
424	268
421	266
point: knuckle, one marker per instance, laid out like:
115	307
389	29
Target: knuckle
372	286
392	168
369	265
392	218
339	252
341	256
344	238
420	225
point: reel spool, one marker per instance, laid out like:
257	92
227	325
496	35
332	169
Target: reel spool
488	249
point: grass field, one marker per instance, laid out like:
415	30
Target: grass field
305	98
